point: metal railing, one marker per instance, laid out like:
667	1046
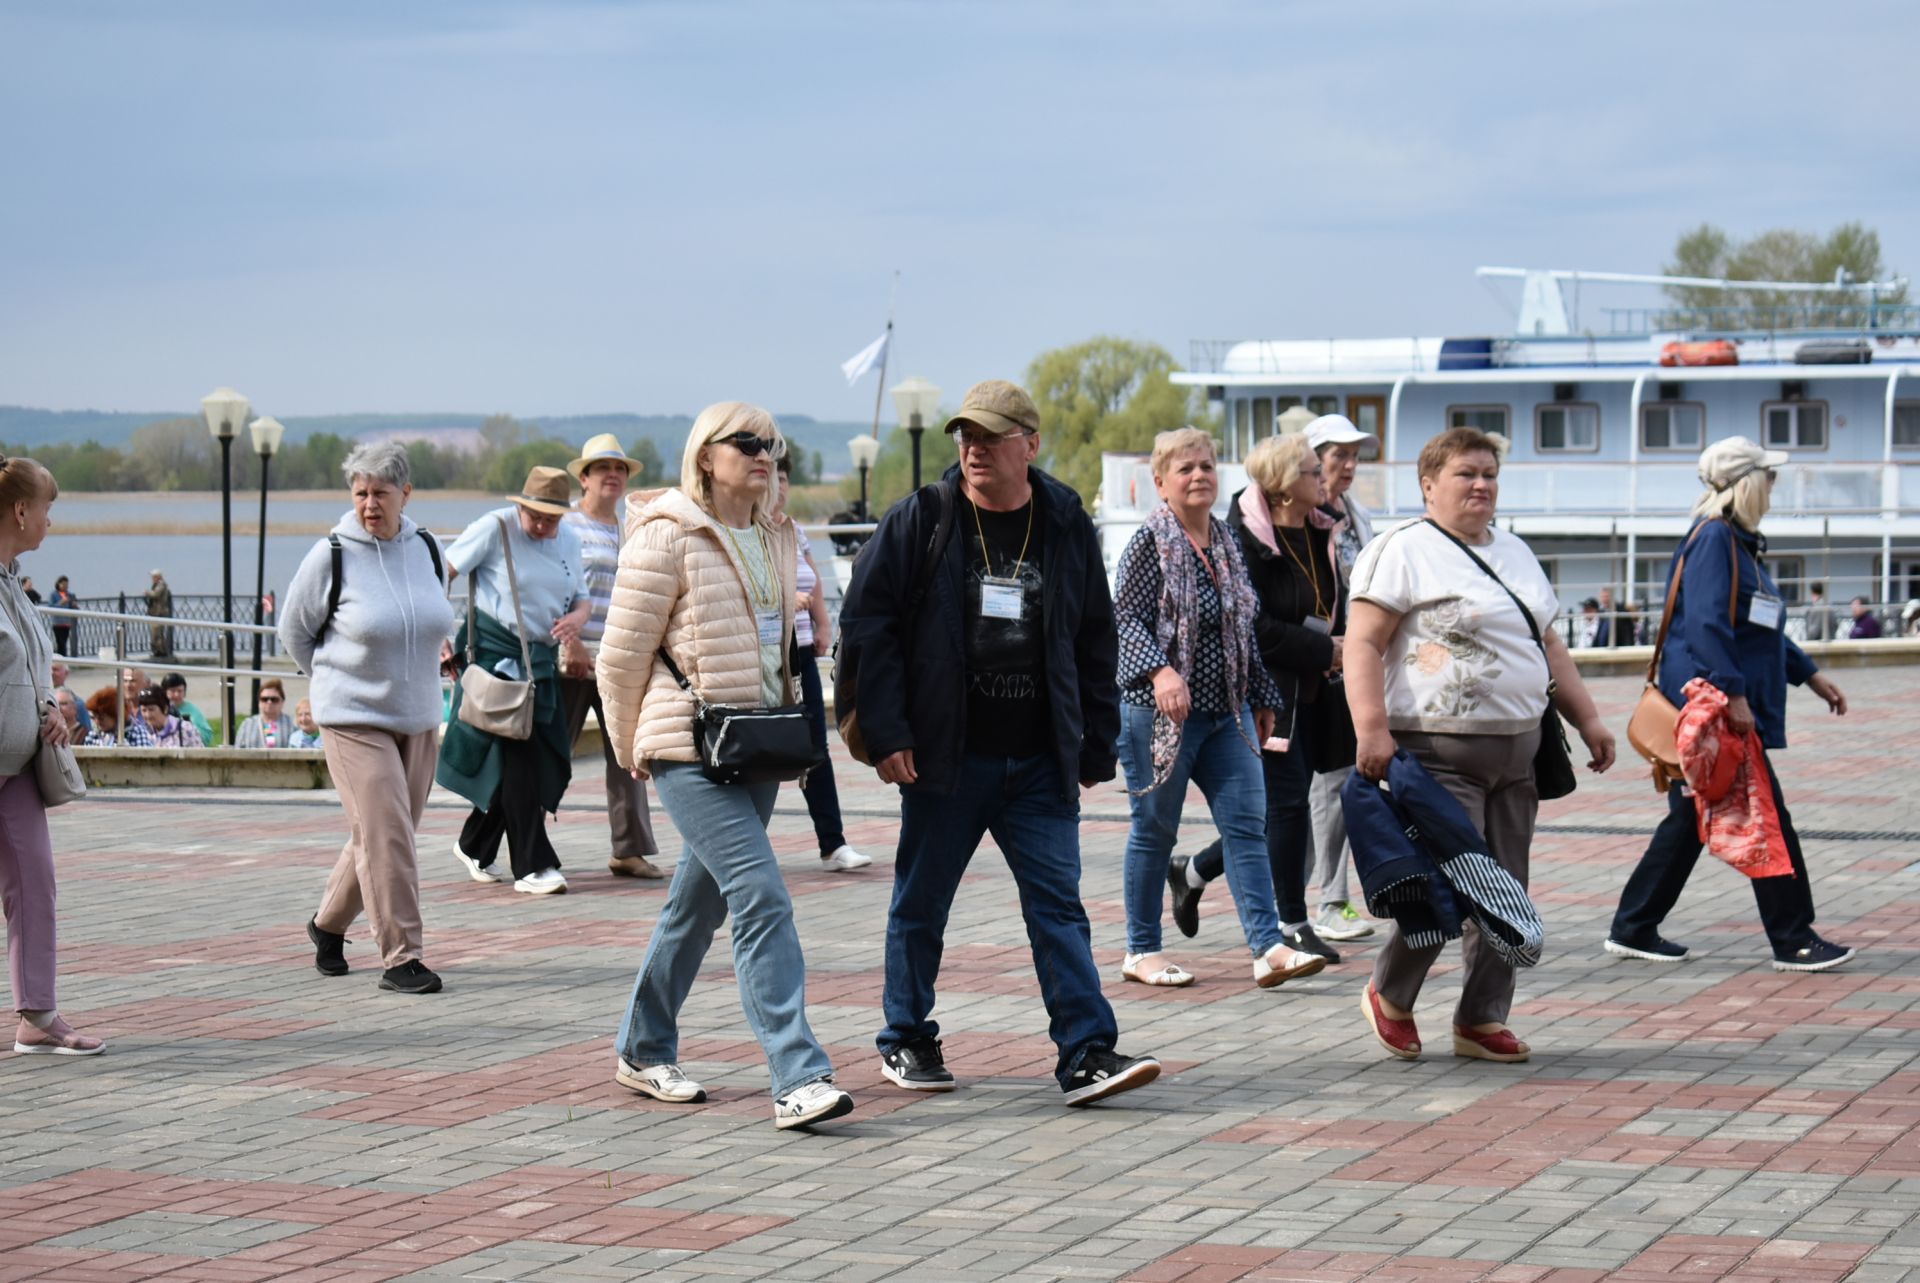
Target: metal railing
194	627
1867	319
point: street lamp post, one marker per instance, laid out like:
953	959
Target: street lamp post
916	400
865	450
226	410
266	439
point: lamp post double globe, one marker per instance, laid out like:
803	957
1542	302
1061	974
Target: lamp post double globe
226	411
865	450
266	439
916	401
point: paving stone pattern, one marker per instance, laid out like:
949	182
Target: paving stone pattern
254	1120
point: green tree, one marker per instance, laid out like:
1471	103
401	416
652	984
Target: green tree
1105	394
504	432
653	470
1781	254
174	454
507	471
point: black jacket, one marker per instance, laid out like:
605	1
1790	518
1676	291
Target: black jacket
911	672
1295	654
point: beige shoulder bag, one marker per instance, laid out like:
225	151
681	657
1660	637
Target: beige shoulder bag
488	701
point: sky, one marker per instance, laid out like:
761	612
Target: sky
583	206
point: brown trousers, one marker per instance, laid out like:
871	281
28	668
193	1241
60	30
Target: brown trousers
1492	777
383	778
626	796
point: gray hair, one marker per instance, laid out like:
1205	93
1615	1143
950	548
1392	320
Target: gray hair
382	460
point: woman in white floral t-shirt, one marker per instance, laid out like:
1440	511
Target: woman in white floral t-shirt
1441	662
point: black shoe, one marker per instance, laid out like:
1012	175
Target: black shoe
1104	1072
1818	956
1186	899
1654	950
410	976
917	1066
1307	940
329	950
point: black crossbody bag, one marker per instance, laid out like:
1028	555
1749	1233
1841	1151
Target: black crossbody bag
1553	761
749	745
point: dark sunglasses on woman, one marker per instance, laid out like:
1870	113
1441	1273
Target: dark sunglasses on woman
752	444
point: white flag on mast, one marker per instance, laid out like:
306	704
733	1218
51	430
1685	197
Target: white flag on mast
868	357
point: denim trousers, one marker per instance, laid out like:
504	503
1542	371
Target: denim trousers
1288	777
1019	801
1216	752
823	796
727	866
1653	888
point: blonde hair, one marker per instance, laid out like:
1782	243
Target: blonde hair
723	420
1275	464
1178	441
24	481
1745	502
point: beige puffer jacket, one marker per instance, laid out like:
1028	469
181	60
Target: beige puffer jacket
681	583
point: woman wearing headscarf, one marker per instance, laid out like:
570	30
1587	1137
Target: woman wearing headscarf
370	640
515	784
29	722
1751	660
1196	703
706	582
1443	664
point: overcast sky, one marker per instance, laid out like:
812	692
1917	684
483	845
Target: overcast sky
570	207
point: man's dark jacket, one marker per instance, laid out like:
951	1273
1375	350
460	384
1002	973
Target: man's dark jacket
911	690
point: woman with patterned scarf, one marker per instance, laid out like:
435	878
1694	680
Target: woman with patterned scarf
1195	704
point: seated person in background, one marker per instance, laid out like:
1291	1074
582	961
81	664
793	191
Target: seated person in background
175	687
132	682
61	674
1865	623
1588	631
104	704
270	727
306	731
167	730
70	711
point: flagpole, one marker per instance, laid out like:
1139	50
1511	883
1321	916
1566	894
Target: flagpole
886	350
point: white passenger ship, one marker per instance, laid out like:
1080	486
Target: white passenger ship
1600	474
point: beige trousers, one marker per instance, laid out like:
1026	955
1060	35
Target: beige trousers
1492	777
383	778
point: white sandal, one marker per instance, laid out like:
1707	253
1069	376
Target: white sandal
1171	976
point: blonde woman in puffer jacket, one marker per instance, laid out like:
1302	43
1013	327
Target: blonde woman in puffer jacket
706	577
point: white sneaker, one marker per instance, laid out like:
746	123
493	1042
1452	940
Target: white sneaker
477	871
542	882
1334	924
811	1103
843	859
661	1082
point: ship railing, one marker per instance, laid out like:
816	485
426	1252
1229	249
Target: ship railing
1867	319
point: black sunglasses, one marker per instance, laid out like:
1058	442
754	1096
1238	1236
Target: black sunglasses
752	444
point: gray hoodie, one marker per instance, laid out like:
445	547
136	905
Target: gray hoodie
379	663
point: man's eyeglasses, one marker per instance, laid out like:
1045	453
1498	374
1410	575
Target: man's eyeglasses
753	445
270	699
967	439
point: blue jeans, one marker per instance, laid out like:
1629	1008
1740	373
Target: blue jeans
1288	777
1215	755
727	865
823	797
1018	801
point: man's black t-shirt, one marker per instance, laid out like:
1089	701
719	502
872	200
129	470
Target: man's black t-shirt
1006	660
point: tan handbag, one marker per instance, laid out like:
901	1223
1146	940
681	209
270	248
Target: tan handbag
1653	730
488	701
58	774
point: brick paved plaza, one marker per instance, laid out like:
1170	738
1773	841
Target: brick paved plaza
254	1120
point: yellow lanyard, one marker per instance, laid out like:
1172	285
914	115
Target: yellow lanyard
772	596
985	554
1320	610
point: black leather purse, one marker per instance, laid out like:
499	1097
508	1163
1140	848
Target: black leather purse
749	745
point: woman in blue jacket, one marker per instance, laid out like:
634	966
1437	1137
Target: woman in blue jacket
1751	659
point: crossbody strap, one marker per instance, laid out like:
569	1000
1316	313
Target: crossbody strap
519	620
1525	614
1673	595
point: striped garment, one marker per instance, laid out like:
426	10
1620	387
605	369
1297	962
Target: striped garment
600	555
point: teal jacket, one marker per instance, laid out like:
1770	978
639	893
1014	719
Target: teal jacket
471	759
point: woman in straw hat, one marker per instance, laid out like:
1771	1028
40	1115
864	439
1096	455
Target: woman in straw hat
513	784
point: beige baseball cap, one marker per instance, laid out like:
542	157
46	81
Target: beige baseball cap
999	407
1725	462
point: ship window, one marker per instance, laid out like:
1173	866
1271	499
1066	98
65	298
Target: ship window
1906	423
1794	425
1243	428
1673	425
1487	418
1567	425
1789	576
1262	417
1324	404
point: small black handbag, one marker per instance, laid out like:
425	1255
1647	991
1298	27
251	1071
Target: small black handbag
749	745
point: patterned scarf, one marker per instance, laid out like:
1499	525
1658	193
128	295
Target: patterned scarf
1174	619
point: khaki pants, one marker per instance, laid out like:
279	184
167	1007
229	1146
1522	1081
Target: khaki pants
383	778
626	796
1492	777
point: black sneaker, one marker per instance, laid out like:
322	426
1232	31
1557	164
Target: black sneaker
1307	940
1818	956
1654	950
329	950
1104	1072
1186	899
917	1066
410	976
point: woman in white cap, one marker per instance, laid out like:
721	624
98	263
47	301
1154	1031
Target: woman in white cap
513	784
1751	660
603	471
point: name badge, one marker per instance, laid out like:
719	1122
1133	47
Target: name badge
1765	612
770	627
1002	599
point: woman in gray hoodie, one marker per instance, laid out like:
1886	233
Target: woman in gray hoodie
364	617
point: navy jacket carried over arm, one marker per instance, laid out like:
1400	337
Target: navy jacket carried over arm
911	683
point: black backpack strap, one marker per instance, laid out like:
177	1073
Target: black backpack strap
333	588
433	551
942	531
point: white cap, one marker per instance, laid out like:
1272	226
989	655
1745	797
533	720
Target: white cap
1725	462
1334	429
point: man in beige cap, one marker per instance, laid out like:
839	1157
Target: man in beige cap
603	470
1010	708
